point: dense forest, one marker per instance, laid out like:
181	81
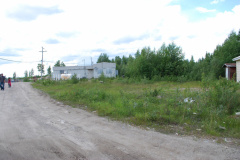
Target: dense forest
169	63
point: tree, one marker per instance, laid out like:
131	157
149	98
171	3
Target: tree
225	53
103	58
14	76
25	76
49	70
118	62
41	68
32	72
167	61
62	64
173	58
212	64
59	64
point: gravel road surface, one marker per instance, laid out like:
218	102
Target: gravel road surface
35	127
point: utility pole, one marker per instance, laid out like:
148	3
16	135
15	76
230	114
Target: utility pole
42	61
84	68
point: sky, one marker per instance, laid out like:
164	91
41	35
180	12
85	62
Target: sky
78	31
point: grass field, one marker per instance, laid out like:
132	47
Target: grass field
200	108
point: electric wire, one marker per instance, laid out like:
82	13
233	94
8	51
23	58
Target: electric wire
32	61
9	60
24	61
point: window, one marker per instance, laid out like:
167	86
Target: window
99	71
109	71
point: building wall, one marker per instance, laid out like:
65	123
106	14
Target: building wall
94	71
90	74
226	73
79	70
238	70
108	69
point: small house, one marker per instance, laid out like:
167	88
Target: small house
237	59
230	70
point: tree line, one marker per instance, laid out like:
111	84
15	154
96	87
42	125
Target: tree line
169	63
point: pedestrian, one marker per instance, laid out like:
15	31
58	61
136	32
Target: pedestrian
9	82
2	81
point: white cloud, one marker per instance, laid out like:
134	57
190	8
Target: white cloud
216	1
29	13
84	29
205	10
210	32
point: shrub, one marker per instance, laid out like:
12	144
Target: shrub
47	82
74	79
25	79
102	77
221	95
83	79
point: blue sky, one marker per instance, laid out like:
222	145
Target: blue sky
78	31
197	10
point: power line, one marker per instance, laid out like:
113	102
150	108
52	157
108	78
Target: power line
24	61
9	60
4	59
32	61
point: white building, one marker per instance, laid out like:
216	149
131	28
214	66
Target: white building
237	59
93	71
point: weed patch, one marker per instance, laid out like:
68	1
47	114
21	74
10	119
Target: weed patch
207	106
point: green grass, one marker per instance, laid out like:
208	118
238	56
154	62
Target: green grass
157	105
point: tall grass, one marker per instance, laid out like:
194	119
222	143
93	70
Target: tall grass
208	106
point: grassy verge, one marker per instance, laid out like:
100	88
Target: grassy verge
202	108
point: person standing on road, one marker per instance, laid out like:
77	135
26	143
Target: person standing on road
9	82
2	81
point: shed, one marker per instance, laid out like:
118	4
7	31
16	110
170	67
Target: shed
230	70
237	59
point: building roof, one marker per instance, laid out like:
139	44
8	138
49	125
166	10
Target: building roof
236	58
72	68
229	65
98	65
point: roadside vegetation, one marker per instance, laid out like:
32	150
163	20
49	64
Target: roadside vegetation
199	107
161	89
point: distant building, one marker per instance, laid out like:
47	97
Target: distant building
237	59
93	71
230	70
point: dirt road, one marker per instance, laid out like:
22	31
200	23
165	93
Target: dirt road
35	127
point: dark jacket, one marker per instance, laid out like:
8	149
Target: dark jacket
2	78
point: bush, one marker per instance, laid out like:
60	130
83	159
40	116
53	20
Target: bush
83	79
47	82
102	77
25	79
182	79
74	79
221	95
